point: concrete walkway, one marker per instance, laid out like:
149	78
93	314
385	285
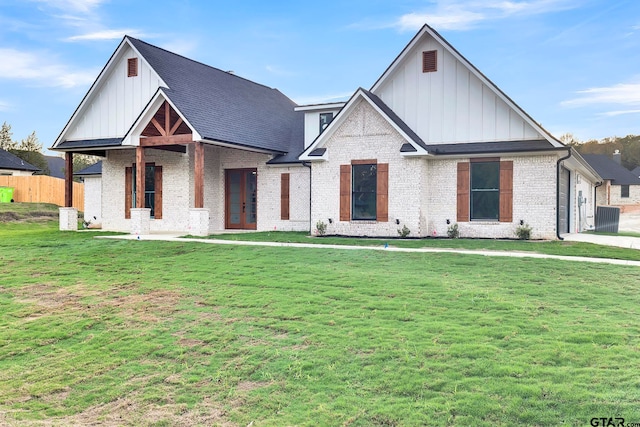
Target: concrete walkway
511	254
599	239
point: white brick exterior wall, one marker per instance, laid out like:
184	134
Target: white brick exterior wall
178	189
93	199
219	159
177	194
534	199
366	135
422	193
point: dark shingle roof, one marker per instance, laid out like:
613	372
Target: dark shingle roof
636	171
13	162
395	119
91	143
56	166
94	169
227	108
491	147
611	170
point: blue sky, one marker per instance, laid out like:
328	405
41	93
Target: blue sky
573	65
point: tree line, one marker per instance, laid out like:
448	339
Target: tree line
30	150
629	147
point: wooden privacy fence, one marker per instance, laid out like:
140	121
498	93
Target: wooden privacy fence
42	189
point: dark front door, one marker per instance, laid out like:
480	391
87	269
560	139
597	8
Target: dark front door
241	188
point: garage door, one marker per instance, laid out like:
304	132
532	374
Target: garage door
564	208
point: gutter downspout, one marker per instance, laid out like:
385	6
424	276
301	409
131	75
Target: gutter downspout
308	165
558	193
595	201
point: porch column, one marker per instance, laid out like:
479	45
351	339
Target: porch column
68	215
198	215
68	179
140	170
140	216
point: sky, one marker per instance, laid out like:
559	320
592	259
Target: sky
573	65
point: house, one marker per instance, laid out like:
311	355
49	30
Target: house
92	178
431	144
620	187
636	171
13	165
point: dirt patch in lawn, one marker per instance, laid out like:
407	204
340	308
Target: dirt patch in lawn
146	307
129	411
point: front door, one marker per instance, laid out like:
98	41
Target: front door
241	199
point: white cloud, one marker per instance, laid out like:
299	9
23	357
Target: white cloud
36	68
79	6
4	106
106	35
462	15
619	113
444	20
622	93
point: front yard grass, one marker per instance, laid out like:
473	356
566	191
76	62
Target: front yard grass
164	333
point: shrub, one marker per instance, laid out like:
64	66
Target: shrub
321	228
404	232
523	232
453	232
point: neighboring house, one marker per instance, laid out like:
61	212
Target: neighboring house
92	178
432	143
13	165
620	187
56	166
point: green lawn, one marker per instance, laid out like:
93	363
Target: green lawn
161	334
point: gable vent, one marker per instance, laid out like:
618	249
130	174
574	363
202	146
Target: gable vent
430	61
132	67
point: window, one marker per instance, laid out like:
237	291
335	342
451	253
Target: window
363	196
132	67
152	191
325	119
624	191
364	191
485	190
430	61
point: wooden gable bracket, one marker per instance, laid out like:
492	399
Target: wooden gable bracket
166	127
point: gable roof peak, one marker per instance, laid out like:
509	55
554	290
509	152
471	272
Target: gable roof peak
428	30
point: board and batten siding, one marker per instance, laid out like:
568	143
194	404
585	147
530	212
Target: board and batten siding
116	103
451	104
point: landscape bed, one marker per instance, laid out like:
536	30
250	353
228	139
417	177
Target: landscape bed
165	333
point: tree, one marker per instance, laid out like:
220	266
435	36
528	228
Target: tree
34	158
82	161
629	147
569	139
6	143
31	143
